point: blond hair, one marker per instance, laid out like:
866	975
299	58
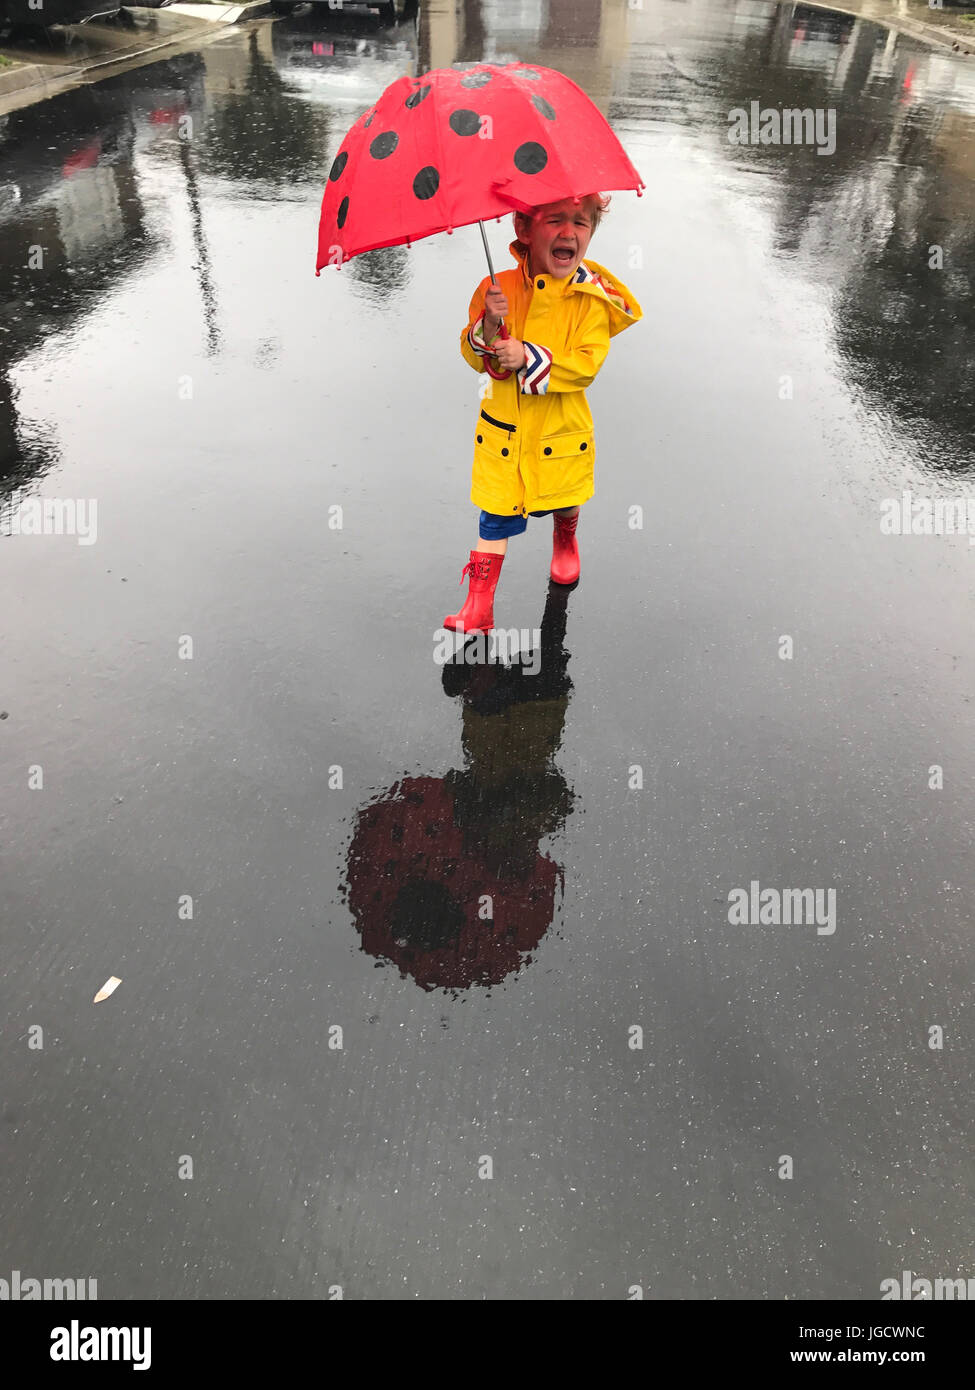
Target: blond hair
596	204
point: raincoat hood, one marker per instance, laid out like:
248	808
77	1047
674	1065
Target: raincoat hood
593	278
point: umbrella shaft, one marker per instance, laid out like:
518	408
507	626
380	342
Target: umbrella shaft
498	376
487	252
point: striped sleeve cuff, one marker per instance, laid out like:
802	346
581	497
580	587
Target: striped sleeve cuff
475	337
534	375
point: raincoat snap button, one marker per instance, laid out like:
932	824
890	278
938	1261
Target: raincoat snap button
480	439
504	453
548	451
583	446
541	284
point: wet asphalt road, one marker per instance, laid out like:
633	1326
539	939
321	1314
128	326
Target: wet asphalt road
337	806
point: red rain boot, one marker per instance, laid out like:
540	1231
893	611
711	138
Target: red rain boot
565	550
477	614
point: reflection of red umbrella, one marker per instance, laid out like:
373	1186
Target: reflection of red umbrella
85	158
167	115
453	147
415	893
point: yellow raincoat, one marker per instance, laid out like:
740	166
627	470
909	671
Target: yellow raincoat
533	448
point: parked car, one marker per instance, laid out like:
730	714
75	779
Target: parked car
342	69
390	10
18	14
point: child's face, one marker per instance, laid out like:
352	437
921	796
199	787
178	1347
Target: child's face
559	238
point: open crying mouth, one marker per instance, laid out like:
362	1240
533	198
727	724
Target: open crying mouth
563	253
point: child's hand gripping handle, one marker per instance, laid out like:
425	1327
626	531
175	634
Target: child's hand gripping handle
495	307
502	375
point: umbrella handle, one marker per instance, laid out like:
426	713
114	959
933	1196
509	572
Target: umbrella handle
503	375
498	376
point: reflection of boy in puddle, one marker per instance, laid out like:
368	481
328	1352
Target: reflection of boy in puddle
445	877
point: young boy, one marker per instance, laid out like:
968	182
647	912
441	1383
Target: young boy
534	449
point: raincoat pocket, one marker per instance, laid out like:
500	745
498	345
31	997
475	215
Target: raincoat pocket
496	463
565	465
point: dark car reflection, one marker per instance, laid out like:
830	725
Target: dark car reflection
72	222
445	877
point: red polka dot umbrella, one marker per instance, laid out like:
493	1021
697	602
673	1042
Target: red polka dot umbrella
455	146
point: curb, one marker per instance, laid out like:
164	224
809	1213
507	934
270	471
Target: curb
23	75
224	14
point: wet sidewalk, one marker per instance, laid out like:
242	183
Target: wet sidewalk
379	920
52	61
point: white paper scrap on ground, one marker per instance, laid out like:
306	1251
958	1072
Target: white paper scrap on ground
109	987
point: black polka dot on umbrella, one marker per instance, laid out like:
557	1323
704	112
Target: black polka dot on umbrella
465	122
338	165
475	79
426	182
529	73
416	97
531	157
546	107
343	212
383	145
369	120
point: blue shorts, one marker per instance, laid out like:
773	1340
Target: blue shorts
500	528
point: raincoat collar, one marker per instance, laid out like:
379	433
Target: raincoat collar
520	253
591	278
